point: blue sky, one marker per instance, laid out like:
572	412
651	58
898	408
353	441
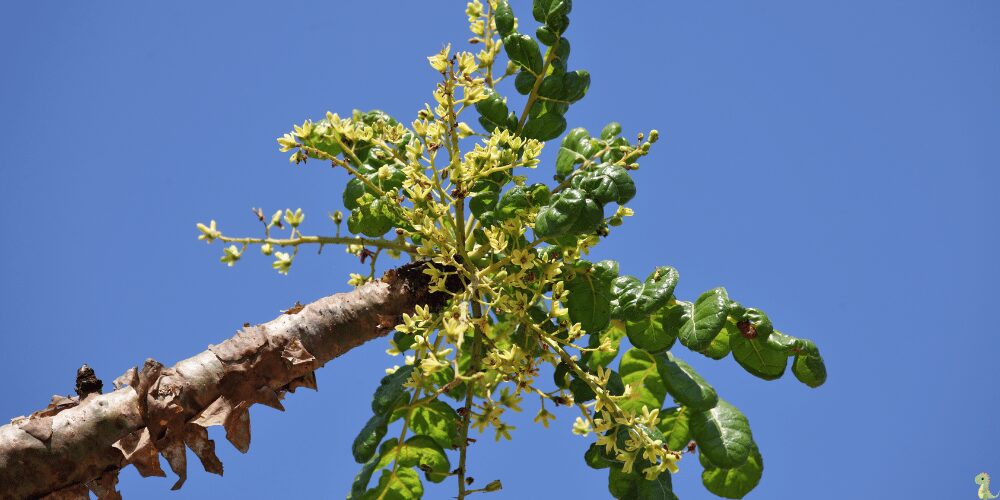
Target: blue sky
833	163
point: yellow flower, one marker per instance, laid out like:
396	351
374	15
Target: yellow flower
208	233
282	262
439	61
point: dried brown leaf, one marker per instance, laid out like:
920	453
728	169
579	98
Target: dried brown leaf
173	451
196	437
139	451
106	486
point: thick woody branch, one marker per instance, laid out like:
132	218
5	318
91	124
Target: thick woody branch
78	445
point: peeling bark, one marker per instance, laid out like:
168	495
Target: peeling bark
78	444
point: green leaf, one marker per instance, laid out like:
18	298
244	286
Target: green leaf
364	476
634	486
569	213
614	333
735	482
595	458
704	319
581	391
684	383
524	82
723	434
493	111
759	357
809	367
565	87
570	151
368	439
648	334
589	295
622	485
784	343
373	217
554	13
635	300
422	452
519	198
544	127
436	419
545	35
391	393
638	369
523	51
611	130
719	348
674	424
605	184
660	488
504	18
403	484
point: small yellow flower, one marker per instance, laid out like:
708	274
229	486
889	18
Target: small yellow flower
581	427
439	61
543	417
208	233
522	258
282	262
230	255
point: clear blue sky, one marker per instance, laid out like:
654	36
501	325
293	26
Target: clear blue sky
834	163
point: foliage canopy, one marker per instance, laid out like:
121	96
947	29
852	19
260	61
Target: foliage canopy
531	298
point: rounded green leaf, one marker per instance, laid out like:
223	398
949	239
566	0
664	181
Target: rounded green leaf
674	424
422	452
582	392
723	434
638	370
649	335
435	419
660	488
569	213
622	485
544	127
719	348
635	300
703	320
364	476
735	482
589	296
390	393
372	217
368	439
684	383
493	112
605	184
569	151
524	82
403	484
611	130
809	367
758	357
504	17
595	458
523	51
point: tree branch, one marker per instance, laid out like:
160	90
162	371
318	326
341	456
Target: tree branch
75	445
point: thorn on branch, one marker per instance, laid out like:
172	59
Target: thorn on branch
87	382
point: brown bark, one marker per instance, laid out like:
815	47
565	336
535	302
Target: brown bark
75	445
